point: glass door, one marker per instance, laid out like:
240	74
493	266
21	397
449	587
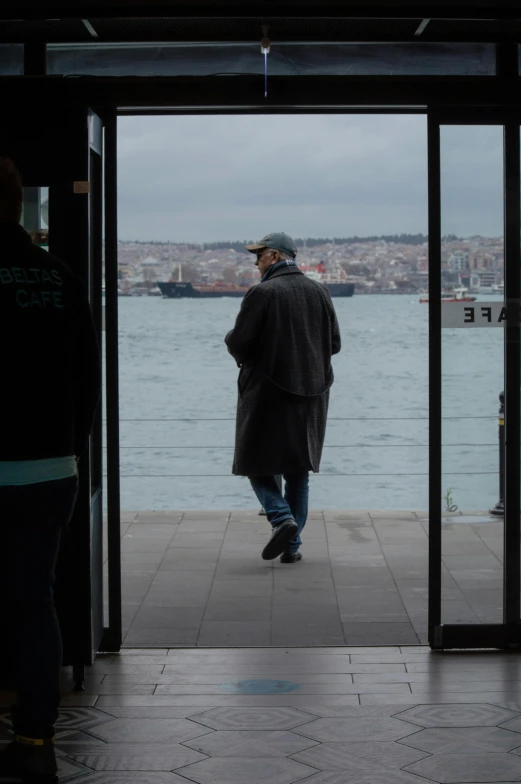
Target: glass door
60	159
474	508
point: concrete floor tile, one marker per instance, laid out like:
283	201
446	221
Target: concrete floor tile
308	637
232	609
303	688
76	700
129	544
129	660
300	615
150	617
242	589
194	701
116	688
161	596
243	633
166	637
198	537
371	633
363	586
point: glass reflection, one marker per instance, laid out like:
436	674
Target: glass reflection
473	373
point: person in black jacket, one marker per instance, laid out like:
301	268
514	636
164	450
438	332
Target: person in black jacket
49	393
283	339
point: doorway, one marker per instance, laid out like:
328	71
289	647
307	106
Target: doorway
73	140
401	545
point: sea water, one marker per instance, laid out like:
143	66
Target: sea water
178	393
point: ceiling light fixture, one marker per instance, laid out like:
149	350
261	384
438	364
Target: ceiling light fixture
265	50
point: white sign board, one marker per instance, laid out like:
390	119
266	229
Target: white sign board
476	314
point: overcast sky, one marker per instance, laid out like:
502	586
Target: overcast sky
208	178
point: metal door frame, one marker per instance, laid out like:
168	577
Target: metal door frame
508	633
64	151
112	637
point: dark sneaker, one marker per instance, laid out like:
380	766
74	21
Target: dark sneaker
290	557
31	760
280	537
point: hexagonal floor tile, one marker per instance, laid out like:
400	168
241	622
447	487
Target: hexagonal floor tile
251	743
254	770
69	770
149	730
457	715
111	777
361	777
71	718
344	730
462	768
136	756
463	740
341	756
155	712
514	725
253	718
69	742
353	711
80	718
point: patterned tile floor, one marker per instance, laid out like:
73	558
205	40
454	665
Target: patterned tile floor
197	579
389	715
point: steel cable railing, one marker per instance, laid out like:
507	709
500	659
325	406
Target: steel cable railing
324	473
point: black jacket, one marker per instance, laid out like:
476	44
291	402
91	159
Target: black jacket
50	363
283	340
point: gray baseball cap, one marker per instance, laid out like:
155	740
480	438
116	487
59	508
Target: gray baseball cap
276	241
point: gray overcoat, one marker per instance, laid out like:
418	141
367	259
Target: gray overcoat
283	339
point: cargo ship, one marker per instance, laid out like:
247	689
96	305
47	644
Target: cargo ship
337	285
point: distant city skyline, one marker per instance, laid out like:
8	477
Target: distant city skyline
307	240
202	179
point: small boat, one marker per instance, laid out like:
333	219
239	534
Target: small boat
459	294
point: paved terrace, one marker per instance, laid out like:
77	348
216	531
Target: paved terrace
197	579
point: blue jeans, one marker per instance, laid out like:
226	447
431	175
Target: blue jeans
32	518
278	507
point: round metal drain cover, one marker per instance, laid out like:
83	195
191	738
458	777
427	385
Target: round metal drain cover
259	686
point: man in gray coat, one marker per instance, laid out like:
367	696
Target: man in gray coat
283	340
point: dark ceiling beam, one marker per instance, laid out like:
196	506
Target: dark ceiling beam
439	9
425	38
234	33
245	93
233	38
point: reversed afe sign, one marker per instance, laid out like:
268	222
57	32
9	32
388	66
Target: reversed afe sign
478	314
